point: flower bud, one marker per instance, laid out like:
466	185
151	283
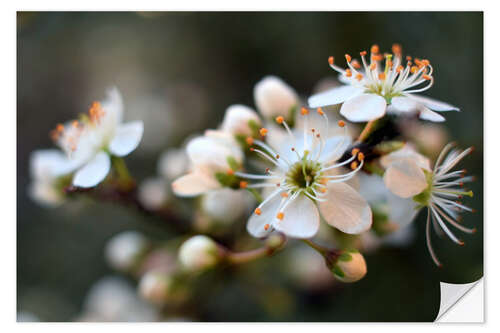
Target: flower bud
156	287
153	193
124	249
173	163
198	253
274	97
241	120
350	266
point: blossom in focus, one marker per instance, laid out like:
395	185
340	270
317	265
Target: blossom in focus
302	186
273	98
444	187
213	158
47	167
198	253
373	89
90	141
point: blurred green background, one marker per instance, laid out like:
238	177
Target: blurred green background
178	72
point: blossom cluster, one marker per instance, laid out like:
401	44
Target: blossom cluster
290	167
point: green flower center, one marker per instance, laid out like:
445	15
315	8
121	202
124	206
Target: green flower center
304	174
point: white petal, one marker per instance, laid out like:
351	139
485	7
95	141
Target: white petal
334	96
46	164
401	210
256	223
404	104
405	178
212	150
334	148
363	108
407	152
273	97
346	209
113	111
300	220
427	114
237	118
93	172
194	184
433	104
127	138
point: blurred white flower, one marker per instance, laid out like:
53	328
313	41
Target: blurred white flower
153	193
302	183
372	90
350	267
155	287
429	137
90	141
173	163
225	205
114	299
308	268
46	168
198	253
273	97
123	250
211	156
240	120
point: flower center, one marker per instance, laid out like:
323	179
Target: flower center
304	174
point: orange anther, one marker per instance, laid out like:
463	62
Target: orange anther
354	151
249	140
263	131
277	156
355	64
426	77
348	58
348	72
320	111
361	157
359	76
354	165
396	49
280	216
266	226
304	111
331	60
381	76
373	66
408	58
341	123
399	69
280	119
414	69
322	190
257	211
230	172
284	195
59	127
362	53
374	49
75	123
243	184
252	149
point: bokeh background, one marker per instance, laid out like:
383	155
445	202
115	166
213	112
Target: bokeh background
178	72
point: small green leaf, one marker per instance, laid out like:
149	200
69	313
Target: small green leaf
345	257
338	271
233	164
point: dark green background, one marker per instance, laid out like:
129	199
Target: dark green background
66	60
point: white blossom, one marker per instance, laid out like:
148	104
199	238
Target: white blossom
198	253
372	89
173	163
123	250
90	141
153	193
240	120
273	97
304	185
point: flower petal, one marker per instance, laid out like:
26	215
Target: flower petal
256	223
127	138
334	96
113	109
334	148
364	107
404	104
345	209
93	172
194	184
300	218
407	152
427	114
405	178
433	104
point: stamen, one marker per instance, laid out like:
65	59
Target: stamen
354	165
263	131
304	111
280	120
280	216
243	184
331	60
341	123
266	226
348	58
320	111
374	48
249	140
258	211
